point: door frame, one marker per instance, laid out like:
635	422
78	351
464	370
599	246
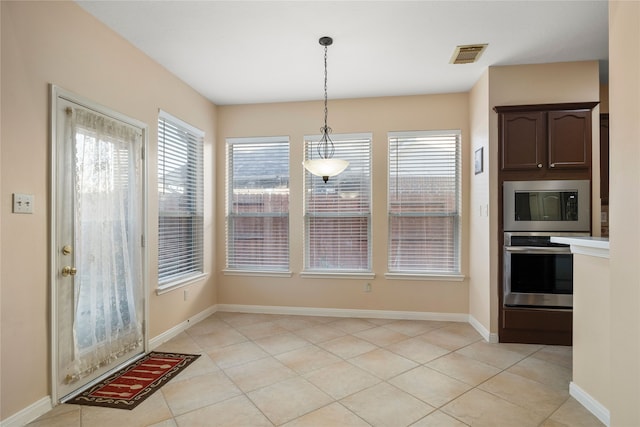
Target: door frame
56	93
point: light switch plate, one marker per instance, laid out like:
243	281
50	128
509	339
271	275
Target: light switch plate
22	203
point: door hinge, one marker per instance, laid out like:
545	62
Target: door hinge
142	242
142	153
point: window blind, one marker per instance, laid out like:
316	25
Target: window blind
338	213
180	200
258	204
424	202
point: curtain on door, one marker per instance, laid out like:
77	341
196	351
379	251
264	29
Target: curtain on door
107	180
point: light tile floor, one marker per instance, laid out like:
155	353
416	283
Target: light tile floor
277	370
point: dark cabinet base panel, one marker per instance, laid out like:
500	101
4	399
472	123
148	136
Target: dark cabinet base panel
530	326
523	336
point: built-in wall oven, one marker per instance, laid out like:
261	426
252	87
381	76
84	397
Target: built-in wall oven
537	272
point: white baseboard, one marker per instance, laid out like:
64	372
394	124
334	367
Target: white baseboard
371	314
155	342
591	404
341	312
29	413
479	327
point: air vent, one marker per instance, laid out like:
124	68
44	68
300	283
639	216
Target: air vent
467	54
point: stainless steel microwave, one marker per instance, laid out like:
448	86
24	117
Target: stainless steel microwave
551	205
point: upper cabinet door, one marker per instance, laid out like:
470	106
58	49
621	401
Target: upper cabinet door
523	140
569	144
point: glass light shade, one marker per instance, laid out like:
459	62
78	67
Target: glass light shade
325	167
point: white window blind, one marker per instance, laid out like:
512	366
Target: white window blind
180	200
338	212
258	204
424	202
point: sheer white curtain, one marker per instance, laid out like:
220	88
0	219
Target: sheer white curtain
107	180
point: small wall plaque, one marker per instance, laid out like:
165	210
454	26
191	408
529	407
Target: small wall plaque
479	160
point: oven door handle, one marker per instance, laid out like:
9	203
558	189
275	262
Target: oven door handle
538	249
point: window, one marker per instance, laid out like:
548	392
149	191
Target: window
180	201
338	212
258	204
424	202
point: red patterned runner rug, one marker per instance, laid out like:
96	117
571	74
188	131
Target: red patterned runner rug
132	384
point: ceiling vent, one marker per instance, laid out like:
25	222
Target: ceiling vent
467	54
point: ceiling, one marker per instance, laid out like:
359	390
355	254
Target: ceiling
240	52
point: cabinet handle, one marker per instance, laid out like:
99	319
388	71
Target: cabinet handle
553	165
539	165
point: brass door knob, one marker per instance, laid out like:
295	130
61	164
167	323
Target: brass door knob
67	270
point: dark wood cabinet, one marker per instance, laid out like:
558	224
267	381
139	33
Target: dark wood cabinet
540	142
604	175
531	326
569	139
523	140
604	158
544	140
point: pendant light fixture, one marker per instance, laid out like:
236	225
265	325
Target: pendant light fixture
326	165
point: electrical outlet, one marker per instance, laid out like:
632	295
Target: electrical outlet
367	287
186	294
22	203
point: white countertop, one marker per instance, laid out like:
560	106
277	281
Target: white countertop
592	246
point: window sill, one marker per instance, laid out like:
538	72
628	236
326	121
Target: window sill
337	275
180	283
263	273
454	277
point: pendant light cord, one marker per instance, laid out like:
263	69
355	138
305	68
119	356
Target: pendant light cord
325	142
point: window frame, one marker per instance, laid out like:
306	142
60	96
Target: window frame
229	185
310	181
195	155
427	274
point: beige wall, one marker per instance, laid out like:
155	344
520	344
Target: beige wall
376	115
624	205
547	84
537	84
512	85
58	43
591	327
606	349
481	294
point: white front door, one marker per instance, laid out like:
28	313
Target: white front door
97	262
